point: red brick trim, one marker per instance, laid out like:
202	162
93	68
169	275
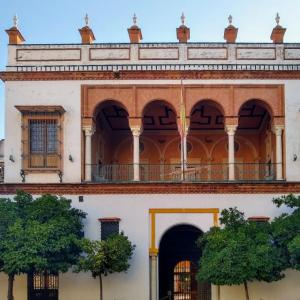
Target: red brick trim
153	188
108	220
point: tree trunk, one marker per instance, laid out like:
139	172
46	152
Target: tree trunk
101	289
10	291
246	290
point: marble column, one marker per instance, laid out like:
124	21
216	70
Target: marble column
136	132
231	129
88	132
153	276
183	156
278	129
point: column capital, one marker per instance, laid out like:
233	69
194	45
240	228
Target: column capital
231	129
153	252
186	131
277	129
136	130
88	130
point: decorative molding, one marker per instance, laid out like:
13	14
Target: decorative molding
289	55
255	53
274	188
109	54
147	75
19	57
28	109
207	53
156	56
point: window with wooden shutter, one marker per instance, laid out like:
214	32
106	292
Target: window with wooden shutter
42	138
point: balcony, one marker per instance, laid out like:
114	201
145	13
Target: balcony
202	143
116	173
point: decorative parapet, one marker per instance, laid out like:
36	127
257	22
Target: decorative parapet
76	57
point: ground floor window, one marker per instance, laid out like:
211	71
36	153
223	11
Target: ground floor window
43	286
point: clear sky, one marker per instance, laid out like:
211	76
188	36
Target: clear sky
57	21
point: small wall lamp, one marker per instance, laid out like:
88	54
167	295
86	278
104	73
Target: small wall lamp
71	158
11	158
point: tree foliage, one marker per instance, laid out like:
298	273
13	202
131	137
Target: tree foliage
38	234
286	231
106	256
240	252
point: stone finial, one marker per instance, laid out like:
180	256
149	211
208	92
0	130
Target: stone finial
87	20
135	32
183	32
15	21
277	19
230	32
278	31
182	19
134	19
87	35
14	35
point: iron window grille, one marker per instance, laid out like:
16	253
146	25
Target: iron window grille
109	227
43	286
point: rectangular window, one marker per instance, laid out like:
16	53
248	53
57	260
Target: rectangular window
43	286
109	227
43	143
42	138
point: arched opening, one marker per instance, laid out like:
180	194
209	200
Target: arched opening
207	127
255	154
112	132
178	264
161	132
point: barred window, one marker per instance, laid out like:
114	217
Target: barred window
109	227
43	143
42	138
43	286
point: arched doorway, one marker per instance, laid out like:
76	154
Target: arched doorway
160	130
207	127
111	143
178	263
258	161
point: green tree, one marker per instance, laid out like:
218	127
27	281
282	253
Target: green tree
239	252
286	231
41	234
105	257
8	216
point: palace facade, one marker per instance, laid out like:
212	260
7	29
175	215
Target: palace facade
153	139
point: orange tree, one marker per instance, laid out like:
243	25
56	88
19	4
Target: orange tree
239	252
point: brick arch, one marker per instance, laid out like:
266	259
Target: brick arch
272	97
171	95
93	96
166	102
261	103
211	102
221	96
103	103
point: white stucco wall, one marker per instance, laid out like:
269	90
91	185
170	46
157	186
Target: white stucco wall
134	213
68	93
